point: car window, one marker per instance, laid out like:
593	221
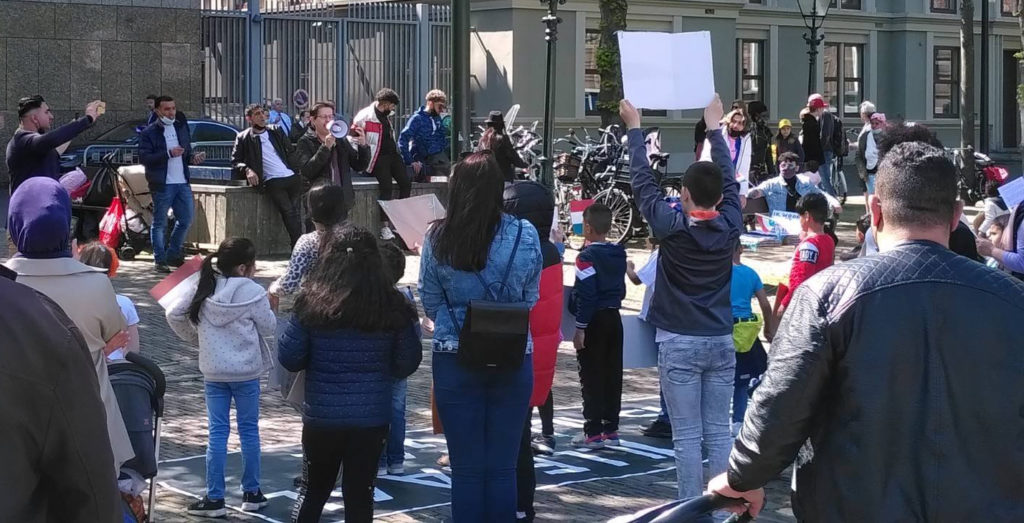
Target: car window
211	132
126	132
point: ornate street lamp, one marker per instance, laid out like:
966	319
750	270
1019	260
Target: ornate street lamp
813	13
551	20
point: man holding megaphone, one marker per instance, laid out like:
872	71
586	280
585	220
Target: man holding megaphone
330	152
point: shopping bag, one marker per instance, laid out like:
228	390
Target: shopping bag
110	225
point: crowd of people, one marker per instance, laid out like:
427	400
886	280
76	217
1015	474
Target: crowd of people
887	373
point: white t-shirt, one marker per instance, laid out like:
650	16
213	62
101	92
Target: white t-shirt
273	166
175	164
648	274
131	317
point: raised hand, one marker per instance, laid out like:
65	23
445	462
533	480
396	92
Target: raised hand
714	113
630	116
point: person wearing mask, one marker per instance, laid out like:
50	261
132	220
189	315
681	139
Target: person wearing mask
483	409
866	110
165	150
323	158
762	164
787	142
827	129
261	155
528	200
385	161
496	140
32	150
700	131
423	142
936	432
783	191
354	334
738	140
55	448
40	227
867	151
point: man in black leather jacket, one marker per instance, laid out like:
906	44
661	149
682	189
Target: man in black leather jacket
902	370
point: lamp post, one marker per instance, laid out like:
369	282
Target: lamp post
551	20
813	13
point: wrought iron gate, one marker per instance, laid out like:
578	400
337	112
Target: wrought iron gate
340	53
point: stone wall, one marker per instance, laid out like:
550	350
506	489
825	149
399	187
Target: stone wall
118	51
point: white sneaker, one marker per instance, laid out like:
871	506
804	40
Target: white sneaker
396	469
386	234
382	471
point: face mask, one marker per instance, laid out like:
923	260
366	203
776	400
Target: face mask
735	134
876	132
787	169
166	121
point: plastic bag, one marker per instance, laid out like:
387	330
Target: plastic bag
110	225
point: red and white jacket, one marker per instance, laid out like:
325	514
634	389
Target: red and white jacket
367	120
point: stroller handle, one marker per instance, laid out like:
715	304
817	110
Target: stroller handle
158	378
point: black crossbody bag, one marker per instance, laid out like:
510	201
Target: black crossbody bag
495	333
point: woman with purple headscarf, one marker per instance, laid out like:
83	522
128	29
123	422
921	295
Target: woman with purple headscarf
39	221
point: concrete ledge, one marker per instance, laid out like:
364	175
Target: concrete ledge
223	211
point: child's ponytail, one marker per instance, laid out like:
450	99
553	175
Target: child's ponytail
231	253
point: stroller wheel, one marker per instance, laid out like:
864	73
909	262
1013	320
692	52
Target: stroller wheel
127	253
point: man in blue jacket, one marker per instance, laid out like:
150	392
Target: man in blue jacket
691	308
423	143
165	150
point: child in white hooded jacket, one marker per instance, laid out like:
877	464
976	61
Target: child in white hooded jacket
228	314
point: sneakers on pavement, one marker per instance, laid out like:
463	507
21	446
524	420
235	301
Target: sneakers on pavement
162	268
543	444
396	469
386	234
208	508
658	429
253	501
611	439
176	262
382	470
582	441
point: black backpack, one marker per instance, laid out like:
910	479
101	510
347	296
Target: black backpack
840	146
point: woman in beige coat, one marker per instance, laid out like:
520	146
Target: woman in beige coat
39	223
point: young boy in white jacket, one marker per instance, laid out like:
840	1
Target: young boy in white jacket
228	314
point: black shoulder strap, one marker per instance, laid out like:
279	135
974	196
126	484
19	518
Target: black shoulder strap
487	290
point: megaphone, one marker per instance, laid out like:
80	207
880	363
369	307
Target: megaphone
339	128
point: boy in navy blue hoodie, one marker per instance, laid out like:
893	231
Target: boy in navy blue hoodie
691	307
596	298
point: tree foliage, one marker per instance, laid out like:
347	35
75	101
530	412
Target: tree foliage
609	65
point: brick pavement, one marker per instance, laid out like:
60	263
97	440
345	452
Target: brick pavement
184	429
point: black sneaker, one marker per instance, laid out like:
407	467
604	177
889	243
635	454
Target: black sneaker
658	429
543	444
252	501
162	268
176	262
208	508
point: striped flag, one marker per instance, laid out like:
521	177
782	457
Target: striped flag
173	287
576	208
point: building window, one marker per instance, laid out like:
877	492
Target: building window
751	70
1008	7
946	82
944	6
755	2
848	4
591	79
844	80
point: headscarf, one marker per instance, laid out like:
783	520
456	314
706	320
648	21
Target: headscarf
39	219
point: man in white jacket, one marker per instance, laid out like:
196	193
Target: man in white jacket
736	136
385	161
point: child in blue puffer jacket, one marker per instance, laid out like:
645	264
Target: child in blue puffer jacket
354	334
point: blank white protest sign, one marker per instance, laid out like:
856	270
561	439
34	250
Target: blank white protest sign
669	71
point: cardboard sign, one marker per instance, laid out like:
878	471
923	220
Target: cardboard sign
667	70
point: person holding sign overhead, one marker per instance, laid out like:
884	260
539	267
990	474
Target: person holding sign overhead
691	308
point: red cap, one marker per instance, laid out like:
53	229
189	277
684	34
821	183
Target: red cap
816	101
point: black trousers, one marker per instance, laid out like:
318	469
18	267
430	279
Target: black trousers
547	416
323	451
526	479
600	364
390	167
286	195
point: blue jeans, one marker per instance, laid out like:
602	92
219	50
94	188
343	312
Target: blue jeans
177	197
697	374
825	170
483	413
871	184
394	453
663	414
247	417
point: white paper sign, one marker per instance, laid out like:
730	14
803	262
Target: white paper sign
1012	192
669	71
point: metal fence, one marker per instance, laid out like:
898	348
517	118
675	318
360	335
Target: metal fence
336	52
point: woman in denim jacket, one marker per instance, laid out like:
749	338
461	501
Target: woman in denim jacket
483	411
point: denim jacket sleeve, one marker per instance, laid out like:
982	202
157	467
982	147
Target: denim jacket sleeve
534	261
430	283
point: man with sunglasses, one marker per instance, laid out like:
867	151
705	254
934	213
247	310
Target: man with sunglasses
423	143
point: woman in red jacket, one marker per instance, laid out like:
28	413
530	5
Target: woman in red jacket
533	202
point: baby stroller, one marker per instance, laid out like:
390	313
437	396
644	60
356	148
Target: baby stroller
133	191
694	510
139	386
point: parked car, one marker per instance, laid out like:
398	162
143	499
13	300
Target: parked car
215	138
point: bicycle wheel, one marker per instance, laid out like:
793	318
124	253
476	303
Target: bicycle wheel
839	181
623	214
